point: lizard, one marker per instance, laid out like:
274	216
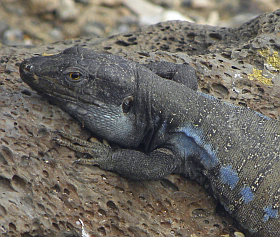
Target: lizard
163	127
233	64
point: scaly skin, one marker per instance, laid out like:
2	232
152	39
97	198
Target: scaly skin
166	127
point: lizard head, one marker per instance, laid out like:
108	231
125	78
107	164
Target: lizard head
97	89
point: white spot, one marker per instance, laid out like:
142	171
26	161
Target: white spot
84	233
235	90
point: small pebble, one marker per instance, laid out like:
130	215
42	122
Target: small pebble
170	15
42	6
202	4
93	28
67	10
12	37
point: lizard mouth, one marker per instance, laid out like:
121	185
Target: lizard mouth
54	96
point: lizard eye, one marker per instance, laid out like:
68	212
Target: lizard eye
127	104
74	75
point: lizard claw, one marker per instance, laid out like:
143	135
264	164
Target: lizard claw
94	148
85	161
58	131
59	141
78	161
56	139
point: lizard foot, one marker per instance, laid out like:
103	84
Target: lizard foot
100	152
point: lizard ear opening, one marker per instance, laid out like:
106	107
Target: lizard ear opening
127	104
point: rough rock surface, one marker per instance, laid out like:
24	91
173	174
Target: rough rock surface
43	194
25	22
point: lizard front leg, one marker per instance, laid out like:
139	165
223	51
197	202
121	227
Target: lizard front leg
130	163
181	73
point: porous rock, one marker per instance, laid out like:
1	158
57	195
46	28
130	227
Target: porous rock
44	194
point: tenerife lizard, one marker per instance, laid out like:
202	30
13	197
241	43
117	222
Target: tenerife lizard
238	65
165	127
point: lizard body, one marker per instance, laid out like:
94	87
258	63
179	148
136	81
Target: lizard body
166	127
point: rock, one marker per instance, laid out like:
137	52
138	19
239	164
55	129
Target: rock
257	6
86	2
167	3
202	4
213	19
13	37
93	29
170	15
237	20
110	3
149	13
3	26
56	34
42	6
67	10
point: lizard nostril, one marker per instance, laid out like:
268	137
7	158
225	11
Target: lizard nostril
27	67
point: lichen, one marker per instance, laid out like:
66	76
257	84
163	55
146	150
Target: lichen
257	75
272	58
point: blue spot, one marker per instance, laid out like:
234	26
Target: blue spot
270	213
247	194
229	176
207	95
207	154
262	116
